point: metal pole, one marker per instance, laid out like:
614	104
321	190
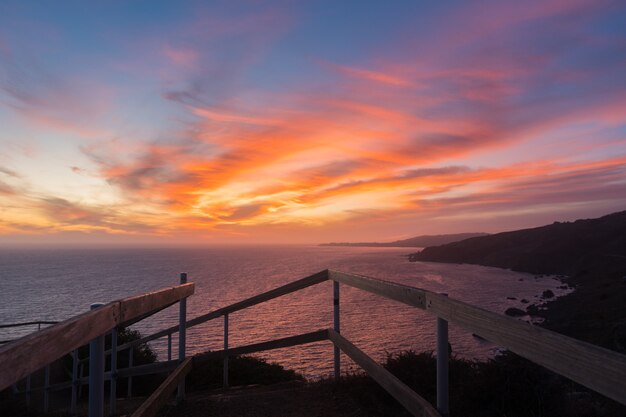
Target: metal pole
130	377
182	338
113	393
81	374
442	366
46	389
336	327
74	380
28	391
226	350
96	374
169	347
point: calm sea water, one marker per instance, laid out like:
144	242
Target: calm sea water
56	284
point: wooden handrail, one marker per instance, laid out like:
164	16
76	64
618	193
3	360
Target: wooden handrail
248	302
284	342
597	368
28	354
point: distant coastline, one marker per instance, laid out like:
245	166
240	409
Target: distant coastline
413	242
590	252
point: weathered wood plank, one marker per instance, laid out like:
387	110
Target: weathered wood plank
30	353
403	293
278	292
415	404
248	302
300	339
599	369
150	303
160	396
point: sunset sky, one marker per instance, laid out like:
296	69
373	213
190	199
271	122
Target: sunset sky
305	122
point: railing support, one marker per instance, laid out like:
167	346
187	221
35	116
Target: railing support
442	366
96	373
336	327
113	393
225	377
129	392
28	391
169	346
182	338
74	381
46	389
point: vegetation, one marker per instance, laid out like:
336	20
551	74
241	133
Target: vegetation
504	386
242	370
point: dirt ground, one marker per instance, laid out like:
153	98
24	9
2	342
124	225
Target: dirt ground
290	399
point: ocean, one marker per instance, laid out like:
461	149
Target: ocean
55	284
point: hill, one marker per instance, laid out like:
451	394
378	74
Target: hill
413	242
560	248
591	252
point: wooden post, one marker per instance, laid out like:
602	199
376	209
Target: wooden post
46	389
226	350
113	393
130	377
96	373
74	381
442	366
336	327
182	336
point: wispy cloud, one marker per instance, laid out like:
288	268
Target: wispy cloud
234	140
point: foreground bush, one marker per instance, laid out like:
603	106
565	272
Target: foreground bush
242	370
507	385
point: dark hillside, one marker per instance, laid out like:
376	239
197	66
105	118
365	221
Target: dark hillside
559	248
413	242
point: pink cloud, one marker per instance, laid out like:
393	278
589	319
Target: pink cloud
185	57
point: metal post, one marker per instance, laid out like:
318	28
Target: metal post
336	327
96	374
130	377
81	374
38	326
182	338
28	391
74	380
442	366
226	350
46	389
113	393
169	347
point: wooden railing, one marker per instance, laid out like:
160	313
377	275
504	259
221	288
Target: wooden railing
22	357
599	369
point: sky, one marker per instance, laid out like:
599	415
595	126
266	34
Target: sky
307	122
